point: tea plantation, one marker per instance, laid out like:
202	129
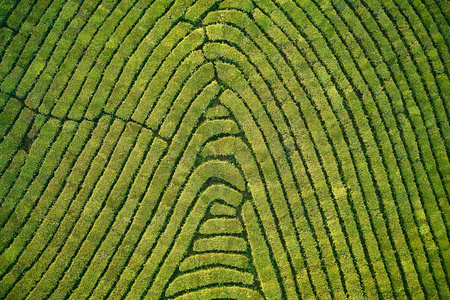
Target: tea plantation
229	149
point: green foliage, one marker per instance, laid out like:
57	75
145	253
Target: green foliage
231	149
221	226
221	209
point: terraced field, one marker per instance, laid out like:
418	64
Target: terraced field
235	149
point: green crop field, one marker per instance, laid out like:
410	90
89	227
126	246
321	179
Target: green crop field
224	149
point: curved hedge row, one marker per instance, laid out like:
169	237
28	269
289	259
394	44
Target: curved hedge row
257	149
